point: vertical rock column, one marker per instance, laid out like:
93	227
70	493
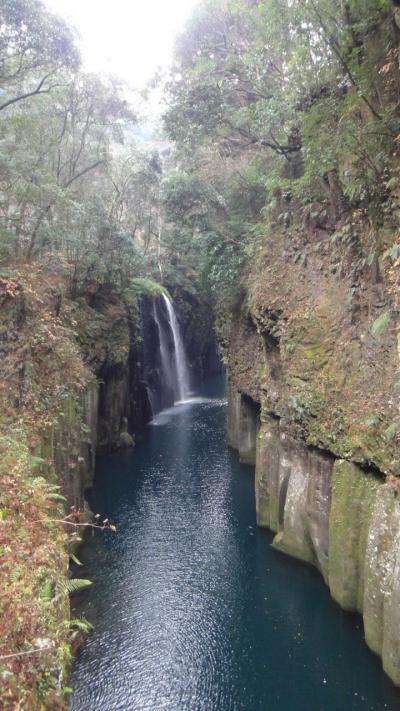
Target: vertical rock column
319	506
382	580
294	477
267	473
304	509
293	494
353	495
233	417
243	423
330	513
247	430
69	446
90	407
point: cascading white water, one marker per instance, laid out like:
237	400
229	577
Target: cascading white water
182	374
166	363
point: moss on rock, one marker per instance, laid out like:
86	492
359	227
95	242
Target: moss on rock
267	474
353	494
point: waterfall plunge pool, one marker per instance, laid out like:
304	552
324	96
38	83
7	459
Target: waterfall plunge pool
192	608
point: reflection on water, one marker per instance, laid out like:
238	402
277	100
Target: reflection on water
192	608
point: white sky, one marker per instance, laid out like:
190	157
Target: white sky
129	38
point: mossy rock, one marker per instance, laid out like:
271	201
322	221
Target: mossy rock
353	495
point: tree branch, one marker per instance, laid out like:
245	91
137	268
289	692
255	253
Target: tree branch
48	207
30	651
35	92
333	44
82	173
274	145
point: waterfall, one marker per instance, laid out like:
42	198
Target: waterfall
167	364
161	361
182	375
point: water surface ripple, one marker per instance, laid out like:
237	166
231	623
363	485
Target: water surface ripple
193	610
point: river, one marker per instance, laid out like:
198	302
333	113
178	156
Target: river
192	608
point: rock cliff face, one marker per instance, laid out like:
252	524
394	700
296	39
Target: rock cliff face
313	404
124	385
197	325
331	513
133	385
77	376
69	446
110	336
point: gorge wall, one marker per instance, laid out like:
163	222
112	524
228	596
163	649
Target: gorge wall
313	404
301	183
123	350
78	376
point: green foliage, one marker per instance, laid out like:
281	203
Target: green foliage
74	585
380	324
372	421
75	559
391	430
36	461
298	404
276	107
392	253
284	118
47	591
76	190
81	624
221	272
143	287
34	44
33	562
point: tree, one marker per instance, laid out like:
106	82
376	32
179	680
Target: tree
34	45
276	108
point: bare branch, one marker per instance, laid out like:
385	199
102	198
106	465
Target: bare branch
82	173
39	90
30	651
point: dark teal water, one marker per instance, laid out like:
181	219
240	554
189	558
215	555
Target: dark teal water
193	609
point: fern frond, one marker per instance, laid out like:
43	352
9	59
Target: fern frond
46	592
75	559
81	624
73	585
76	584
53	496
